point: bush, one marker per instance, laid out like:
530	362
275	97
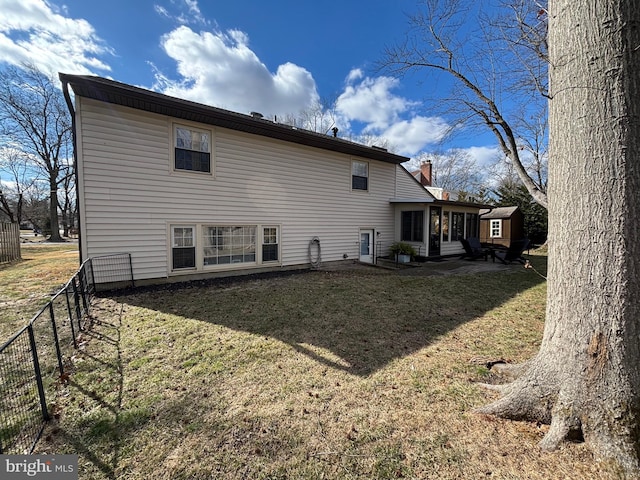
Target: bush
402	248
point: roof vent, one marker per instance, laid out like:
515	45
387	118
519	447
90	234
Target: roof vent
257	115
379	148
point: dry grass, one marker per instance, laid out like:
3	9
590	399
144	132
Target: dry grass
336	375
29	283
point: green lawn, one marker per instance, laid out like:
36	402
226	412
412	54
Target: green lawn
27	285
328	374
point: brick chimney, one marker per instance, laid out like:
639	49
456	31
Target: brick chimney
425	170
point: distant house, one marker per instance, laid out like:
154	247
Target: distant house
501	225
193	191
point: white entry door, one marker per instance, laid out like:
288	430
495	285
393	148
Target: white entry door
366	246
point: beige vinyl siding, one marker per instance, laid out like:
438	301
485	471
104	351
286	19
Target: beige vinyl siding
131	195
408	187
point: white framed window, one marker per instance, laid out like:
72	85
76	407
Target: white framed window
359	175
201	247
224	245
495	228
192	149
183	248
270	244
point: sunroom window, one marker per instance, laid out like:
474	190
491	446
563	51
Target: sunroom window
412	228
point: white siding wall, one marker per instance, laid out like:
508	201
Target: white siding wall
130	195
408	187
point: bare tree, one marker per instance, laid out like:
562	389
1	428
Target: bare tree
323	117
14	172
585	380
454	171
320	117
505	60
34	119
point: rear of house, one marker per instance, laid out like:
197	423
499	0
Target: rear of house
435	229
191	190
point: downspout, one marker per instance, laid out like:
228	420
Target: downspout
67	97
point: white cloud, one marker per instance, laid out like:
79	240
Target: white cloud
31	32
187	12
484	156
410	136
371	101
220	69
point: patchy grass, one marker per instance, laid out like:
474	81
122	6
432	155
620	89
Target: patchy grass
338	375
29	283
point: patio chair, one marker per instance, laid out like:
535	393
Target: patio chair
472	248
513	253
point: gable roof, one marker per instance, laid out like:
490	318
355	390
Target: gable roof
498	212
117	93
427	198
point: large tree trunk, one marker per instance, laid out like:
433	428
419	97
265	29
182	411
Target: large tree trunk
586	378
53	213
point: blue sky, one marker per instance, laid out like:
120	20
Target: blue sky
277	57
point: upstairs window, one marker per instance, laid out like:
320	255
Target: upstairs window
192	149
359	175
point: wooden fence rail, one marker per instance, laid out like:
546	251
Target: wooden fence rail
9	242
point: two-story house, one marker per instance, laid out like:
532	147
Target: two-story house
192	190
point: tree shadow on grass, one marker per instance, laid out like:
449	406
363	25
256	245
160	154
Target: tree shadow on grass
92	399
357	321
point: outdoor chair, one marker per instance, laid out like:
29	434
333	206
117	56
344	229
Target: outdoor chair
513	253
473	249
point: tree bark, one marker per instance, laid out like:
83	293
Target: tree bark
585	379
53	214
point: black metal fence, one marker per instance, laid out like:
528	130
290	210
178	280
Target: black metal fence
35	358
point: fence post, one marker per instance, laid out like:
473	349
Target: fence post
76	301
93	275
133	283
55	337
83	291
36	368
70	313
